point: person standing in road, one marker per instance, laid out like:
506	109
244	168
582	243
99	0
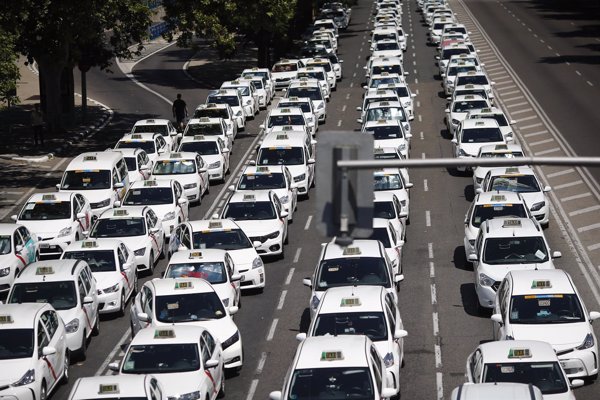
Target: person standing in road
37	124
180	111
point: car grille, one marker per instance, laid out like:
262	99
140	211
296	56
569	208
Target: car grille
495	286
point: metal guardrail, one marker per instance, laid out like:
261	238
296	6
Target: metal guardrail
469	162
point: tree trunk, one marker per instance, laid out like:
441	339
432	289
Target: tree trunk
51	73
264	52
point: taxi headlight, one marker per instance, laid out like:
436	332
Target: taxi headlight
455	121
300	177
272	235
190	186
112	289
587	342
248	102
4	271
65	231
226	302
472	242
388	360
508	337
402	147
233	339
26	379
168	216
100	204
140	252
321	106
462	153
403	203
479	180
538	206
257	263
485	280
314	303
284	199
214	165
407	104
238	114
72	326
188	396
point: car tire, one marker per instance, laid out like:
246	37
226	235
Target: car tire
221	393
121	311
67	362
151	262
96	328
43	391
132	330
81	353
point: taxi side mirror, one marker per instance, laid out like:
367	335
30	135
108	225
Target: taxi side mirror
359	108
388	392
479	190
202	170
182	248
409	185
575	383
18	248
225	150
126	266
262	126
454	141
447	110
117	204
48	351
306	282
547	188
14	217
236	277
400	333
182	201
154	230
144	168
57	186
231	188
311	161
472	257
114	366
594	315
400	243
403	214
413	95
256	244
85	233
359	120
398	278
556	254
88	300
233	310
276	395
497	318
80	215
284	214
211	364
301	336
143	317
118	185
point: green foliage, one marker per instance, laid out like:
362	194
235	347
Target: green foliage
9	70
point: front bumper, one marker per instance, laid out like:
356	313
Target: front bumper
579	363
486	295
75	339
216	174
109	302
233	355
193	194
253	278
52	249
270	247
542	215
143	263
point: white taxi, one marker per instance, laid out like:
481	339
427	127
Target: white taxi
154	144
305	105
391	180
317	73
504	245
364	262
545	305
386	110
262	217
213	265
100	177
124	387
389	133
139	228
35	357
57	219
265	74
187	168
521	361
293	117
509	150
276	178
460	107
376	94
344	366
138	163
262	95
476	78
489	205
312	90
249	95
222	110
496	391
384	231
209	127
162	126
213	151
284	71
472	135
364	310
187	361
18	248
233	98
326	64
188	302
222	234
164	196
387	206
521	180
113	267
391	153
69	286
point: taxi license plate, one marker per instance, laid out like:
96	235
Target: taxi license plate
44	245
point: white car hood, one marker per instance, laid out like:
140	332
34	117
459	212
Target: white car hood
93	196
259	228
532	198
472	149
183	179
284	75
498	272
387	53
176	384
211	158
555	334
133	242
105	280
46	229
13	370
68	315
243	258
296	170
162	209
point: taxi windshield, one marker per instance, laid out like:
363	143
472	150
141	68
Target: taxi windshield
515	250
315	75
547	376
131	163
16	343
452	71
281	120
507	154
475	92
233	239
484	212
515	183
387	46
447	53
161	358
214	272
546	309
261	182
189	307
331	384
464	106
86	180
388	182
118	227
370	100
481	135
233	101
472	80
386	113
313	93
392	69
46	210
304	106
371	324
5	244
146	145
498	117
352	271
203	129
382	235
212	113
384	209
208	148
385	132
98	260
174	167
162	129
148	196
250	210
325	65
244	90
289	67
61	295
281	156
375	82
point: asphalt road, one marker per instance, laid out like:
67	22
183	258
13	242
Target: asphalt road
437	298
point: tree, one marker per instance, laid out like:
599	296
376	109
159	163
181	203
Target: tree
58	34
9	71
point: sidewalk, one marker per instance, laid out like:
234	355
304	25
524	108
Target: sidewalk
16	135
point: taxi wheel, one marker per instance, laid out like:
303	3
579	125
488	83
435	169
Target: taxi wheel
43	392
83	350
165	249
122	306
132	330
151	261
221	393
96	329
65	378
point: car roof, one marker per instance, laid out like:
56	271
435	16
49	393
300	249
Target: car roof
224	92
181	334
250	196
386	171
263	170
180	155
358	248
468	97
383	122
282	139
212	225
384	196
129	152
204	255
211	105
163	183
480	123
498	351
510	226
138	136
286	111
183	286
93	160
364	298
508	171
501	148
543	281
201	138
51	271
380	104
22	315
381	223
8	228
94	244
350	349
122	386
496	391
153	121
498	197
124	212
205	121
50	197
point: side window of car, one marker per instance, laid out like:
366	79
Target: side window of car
24	234
393	235
81	287
376	361
18	239
155	393
478	242
51	322
391	316
185	237
477	367
81	201
149	222
121	256
122	167
205	350
178	190
147	301
115	176
153	217
42	337
160	142
145	158
124	250
209	341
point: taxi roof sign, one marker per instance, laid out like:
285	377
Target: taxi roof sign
282	137
331	355
519	353
204	119
511	223
175	155
262	169
196	254
512	170
199	137
136	136
112	388
46	270
151	182
541	284
46	197
215	225
164	334
498	197
183	285
350	302
88	244
249	197
287	128
501	147
351	251
6	319
90	158
119	212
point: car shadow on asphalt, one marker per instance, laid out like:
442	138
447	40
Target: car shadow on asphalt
459	260
304	320
471	303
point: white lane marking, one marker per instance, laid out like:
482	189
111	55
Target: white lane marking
578	73
415	63
297	255
357	65
439	383
344	108
272	329
511	92
420	118
575	197
438	356
431	270
261	363
308	220
584	210
351	84
422	135
281	299
252	389
14	193
531	126
436	324
425	186
423	155
527	118
290	274
354	75
418	103
553	150
416	80
593	247
569	184
430	250
535	133
525	110
589	83
588	228
541	142
417	91
347	96
560	173
513	98
112	353
433	294
427	218
523	103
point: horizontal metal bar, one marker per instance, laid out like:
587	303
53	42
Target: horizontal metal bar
468	162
